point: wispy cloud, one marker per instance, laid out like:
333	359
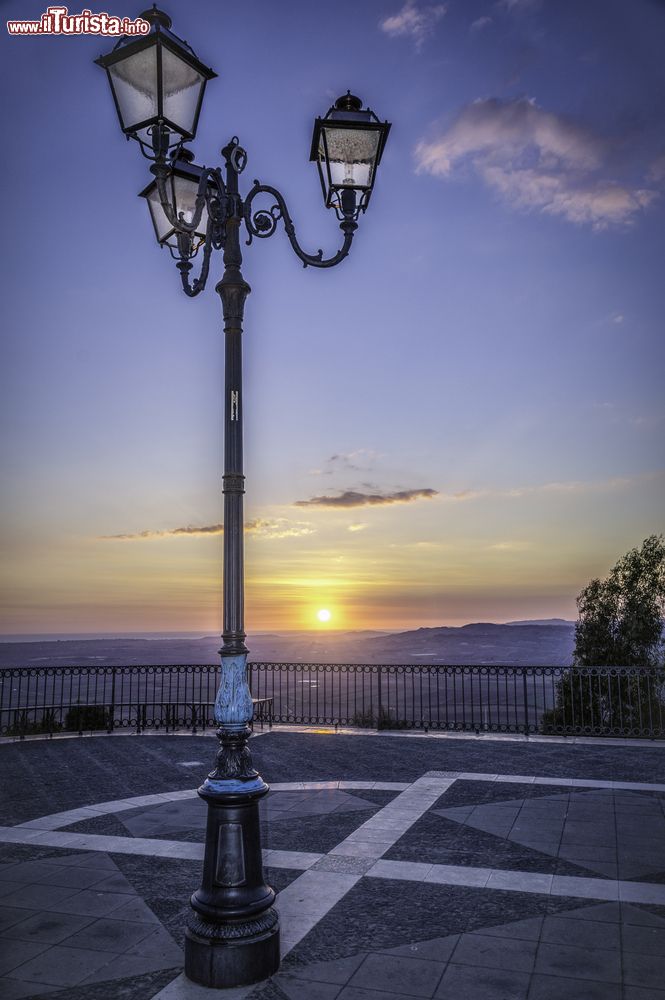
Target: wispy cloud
536	161
356	527
360	460
518	6
261	527
353	498
564	487
480	23
414	21
149	533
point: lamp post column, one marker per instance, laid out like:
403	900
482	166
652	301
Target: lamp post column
232	938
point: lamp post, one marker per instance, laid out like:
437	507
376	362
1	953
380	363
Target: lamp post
232	937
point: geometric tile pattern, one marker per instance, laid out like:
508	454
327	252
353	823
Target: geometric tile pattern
75	922
573	955
619	834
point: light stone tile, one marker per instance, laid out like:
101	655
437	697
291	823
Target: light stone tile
642	892
291	859
477	776
362	849
307	900
552	781
411	871
520	881
458	875
182	988
117	805
586	888
17	835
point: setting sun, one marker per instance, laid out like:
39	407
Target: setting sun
323	615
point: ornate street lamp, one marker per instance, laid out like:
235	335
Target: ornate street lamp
232	938
157	83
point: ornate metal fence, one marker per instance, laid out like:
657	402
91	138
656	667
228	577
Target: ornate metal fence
591	701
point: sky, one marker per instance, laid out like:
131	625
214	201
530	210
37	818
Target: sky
463	421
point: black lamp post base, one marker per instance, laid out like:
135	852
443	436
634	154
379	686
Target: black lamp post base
248	952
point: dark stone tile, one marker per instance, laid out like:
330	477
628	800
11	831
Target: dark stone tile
338	971
40	897
398	974
581	933
463	982
644	940
578	963
49	928
61	966
78	878
298	989
14	953
640	913
110	935
519	930
11	915
643	970
89	902
123	966
435	950
14	989
555	988
642	993
495	953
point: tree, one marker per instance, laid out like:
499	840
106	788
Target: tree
621	618
620	624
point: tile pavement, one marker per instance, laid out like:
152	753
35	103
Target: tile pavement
557	887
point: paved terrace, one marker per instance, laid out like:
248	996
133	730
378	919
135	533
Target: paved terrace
408	866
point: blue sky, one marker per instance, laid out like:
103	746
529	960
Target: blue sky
487	364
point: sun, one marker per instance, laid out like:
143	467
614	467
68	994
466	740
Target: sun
323	615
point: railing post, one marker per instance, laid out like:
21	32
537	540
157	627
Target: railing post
111	725
379	709
526	702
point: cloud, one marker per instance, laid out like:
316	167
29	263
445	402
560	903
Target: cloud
413	21
352	498
480	23
356	527
278	528
509	546
518	6
261	527
617	318
360	460
208	529
564	487
536	161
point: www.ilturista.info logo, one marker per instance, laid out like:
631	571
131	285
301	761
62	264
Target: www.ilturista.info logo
58	21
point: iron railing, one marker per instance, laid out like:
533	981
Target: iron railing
591	701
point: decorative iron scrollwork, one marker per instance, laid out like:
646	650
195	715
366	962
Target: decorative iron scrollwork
263	222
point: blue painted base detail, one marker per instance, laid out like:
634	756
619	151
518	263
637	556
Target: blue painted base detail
232	786
233	705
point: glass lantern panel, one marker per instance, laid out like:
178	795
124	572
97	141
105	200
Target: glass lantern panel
135	85
162	225
182	87
351	155
185	198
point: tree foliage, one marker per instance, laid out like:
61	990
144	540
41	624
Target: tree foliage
621	618
620	624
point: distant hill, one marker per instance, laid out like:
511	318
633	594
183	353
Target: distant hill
481	643
545	621
540	643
